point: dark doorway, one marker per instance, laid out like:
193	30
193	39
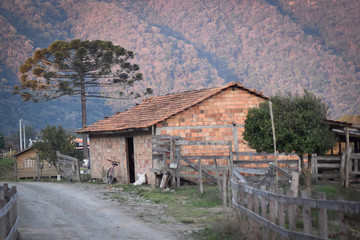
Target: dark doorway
130	157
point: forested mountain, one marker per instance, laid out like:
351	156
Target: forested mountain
272	46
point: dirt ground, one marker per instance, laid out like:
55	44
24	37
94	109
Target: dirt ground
86	211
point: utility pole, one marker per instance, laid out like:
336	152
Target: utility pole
274	141
20	129
22	135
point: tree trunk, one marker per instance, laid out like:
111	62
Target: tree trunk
306	171
83	116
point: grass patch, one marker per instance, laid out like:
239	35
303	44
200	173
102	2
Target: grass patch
118	197
6	164
334	190
188	206
6	169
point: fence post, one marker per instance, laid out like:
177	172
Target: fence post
342	224
177	160
272	211
12	211
264	212
200	178
294	185
306	213
280	191
348	166
294	188
3	226
172	161
323	223
256	204
224	188
250	207
217	176
38	167
6	218
342	168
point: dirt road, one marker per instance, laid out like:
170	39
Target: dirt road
79	211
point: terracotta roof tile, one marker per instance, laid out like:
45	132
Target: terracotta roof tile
156	109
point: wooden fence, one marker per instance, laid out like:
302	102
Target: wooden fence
326	168
8	212
343	168
290	216
168	161
69	167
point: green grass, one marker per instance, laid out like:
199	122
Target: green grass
188	206
185	204
6	169
6	164
334	190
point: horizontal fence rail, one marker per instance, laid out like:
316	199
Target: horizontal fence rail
8	212
69	167
269	208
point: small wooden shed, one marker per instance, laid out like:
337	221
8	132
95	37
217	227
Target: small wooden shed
342	161
215	114
28	165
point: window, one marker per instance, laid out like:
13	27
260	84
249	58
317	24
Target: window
28	163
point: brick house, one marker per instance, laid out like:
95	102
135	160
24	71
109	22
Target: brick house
216	114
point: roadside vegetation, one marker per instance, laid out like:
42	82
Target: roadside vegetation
188	206
205	211
6	168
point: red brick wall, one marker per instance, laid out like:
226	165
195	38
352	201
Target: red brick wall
213	120
103	147
218	118
143	155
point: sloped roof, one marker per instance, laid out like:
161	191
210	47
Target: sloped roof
22	151
157	109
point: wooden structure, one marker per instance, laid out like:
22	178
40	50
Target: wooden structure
343	162
344	168
28	165
278	213
215	114
171	160
9	221
69	167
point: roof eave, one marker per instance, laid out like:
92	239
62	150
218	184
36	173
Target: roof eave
120	131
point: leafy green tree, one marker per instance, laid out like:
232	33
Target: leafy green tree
84	68
55	139
299	128
2	141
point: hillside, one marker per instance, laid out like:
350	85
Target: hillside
271	46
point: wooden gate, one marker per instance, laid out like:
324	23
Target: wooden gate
69	167
169	162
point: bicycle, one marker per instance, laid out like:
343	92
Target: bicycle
111	172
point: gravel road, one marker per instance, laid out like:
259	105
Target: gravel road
81	211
